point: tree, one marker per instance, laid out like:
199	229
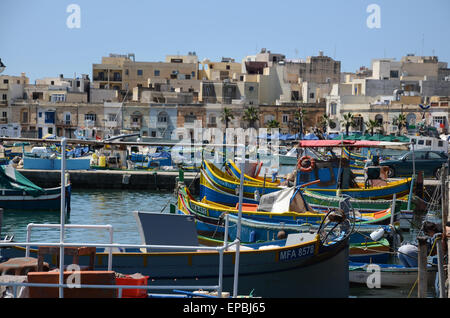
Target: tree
299	115
227	116
251	115
348	122
273	124
400	122
372	124
325	121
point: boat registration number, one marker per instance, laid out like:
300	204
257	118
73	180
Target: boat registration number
296	253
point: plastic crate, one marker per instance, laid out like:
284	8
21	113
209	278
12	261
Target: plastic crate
129	281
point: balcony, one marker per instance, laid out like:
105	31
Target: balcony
105	79
64	123
3	120
136	126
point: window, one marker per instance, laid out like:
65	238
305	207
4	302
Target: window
428	142
40	114
421	142
58	98
52	83
156	72
439	119
5	81
67	119
50	130
228	67
112	117
333	108
4	97
285	118
311	95
78	83
140	72
440	143
4	114
379	119
153	133
193	74
187	76
49	117
127	72
162	117
212	120
433	155
25	117
91	117
394	74
251	88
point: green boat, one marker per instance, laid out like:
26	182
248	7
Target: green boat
319	201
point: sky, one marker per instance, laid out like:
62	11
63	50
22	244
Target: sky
35	37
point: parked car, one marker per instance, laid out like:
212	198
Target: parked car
430	162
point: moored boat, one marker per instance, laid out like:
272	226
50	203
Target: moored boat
19	193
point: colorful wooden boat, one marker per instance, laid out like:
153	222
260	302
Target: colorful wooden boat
328	173
215	211
211	232
232	169
320	202
249	211
399	188
231	184
19	193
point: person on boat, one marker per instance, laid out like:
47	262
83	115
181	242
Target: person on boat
408	253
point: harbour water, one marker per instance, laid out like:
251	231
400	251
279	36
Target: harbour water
115	207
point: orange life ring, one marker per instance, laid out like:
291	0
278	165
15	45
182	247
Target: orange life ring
311	166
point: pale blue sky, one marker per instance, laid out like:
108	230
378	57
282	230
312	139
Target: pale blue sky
34	37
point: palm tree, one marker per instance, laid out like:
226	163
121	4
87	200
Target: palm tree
299	115
372	124
273	124
325	121
400	122
227	116
251	115
348	122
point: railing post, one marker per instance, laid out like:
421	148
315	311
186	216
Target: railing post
63	210
110	249
29	227
238	229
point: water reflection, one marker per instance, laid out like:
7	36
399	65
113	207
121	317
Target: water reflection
112	207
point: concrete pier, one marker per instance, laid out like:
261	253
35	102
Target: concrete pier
113	179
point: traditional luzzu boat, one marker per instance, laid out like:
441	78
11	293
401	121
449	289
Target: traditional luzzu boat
316	201
224	180
19	193
284	208
212	231
322	202
334	176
